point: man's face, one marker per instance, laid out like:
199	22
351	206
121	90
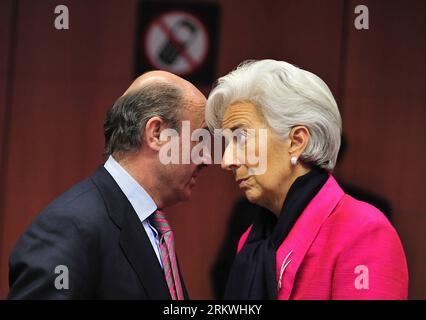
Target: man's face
180	178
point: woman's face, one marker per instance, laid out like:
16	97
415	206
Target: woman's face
269	188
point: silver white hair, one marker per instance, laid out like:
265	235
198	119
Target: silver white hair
287	96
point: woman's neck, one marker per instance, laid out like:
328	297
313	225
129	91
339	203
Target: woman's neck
277	202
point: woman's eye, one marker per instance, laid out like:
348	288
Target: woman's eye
241	137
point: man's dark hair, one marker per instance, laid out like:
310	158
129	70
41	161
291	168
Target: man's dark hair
125	121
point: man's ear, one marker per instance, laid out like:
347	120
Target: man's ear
299	137
153	129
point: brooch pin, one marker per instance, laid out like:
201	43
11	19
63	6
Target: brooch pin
283	267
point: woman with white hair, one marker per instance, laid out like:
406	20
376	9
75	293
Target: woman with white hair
324	243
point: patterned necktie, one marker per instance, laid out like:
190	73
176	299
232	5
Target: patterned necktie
168	256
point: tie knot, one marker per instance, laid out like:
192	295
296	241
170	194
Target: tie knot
159	221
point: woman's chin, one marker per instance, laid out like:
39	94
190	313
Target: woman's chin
252	195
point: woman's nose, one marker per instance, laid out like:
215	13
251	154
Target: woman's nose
230	159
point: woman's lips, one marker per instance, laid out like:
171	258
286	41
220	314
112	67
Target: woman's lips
243	182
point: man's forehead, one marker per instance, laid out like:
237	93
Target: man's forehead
194	113
194	96
194	104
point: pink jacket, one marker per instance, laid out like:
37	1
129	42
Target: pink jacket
340	248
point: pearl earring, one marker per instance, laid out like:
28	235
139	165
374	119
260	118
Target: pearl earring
293	161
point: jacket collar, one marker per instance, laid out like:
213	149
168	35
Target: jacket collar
140	200
294	248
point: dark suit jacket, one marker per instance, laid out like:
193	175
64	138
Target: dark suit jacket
93	230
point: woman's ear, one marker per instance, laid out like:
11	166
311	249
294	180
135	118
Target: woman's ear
299	137
152	133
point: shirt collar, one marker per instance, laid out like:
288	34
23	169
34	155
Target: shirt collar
135	193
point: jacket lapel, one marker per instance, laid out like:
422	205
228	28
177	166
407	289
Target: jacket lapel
133	239
138	249
292	251
185	292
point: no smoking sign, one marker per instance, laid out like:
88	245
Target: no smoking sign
176	41
178	38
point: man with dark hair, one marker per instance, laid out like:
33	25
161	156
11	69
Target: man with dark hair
107	237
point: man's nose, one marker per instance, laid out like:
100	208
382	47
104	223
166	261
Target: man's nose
207	157
230	160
